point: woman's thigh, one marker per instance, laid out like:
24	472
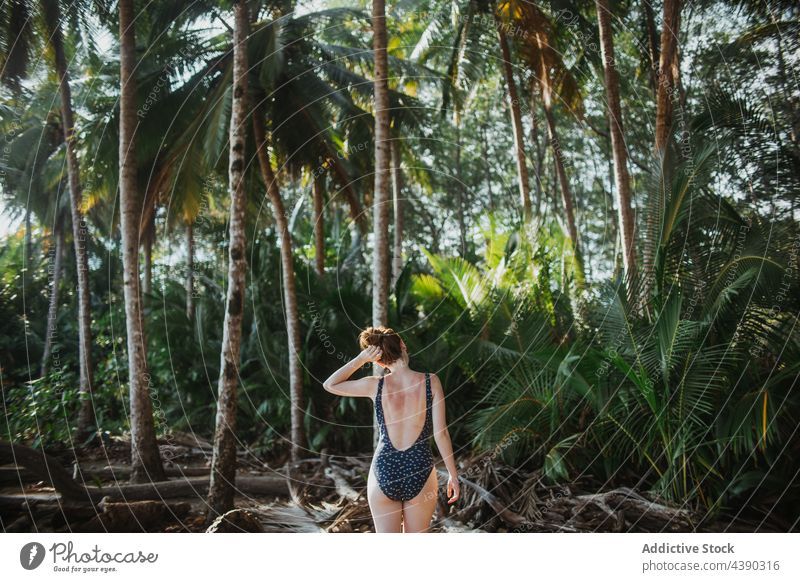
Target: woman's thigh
418	511
386	513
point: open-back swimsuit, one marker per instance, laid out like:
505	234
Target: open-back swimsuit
403	473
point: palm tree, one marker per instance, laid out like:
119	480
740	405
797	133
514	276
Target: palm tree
665	89
223	461
190	271
297	92
60	217
86	412
546	92
667	73
32	169
148	236
52	310
145	458
296	98
380	226
716	275
19	39
464	72
318	194
516	117
621	178
552	76
539	146
561	174
289	286
397	207
652	43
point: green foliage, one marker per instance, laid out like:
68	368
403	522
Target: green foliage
689	392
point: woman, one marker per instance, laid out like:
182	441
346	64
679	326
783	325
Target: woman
402	484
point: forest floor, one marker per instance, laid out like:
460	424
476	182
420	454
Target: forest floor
319	494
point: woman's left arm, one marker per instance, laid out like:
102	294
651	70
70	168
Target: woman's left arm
442	437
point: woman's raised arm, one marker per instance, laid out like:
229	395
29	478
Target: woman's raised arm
338	383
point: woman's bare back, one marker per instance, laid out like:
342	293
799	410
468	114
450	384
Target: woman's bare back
404	407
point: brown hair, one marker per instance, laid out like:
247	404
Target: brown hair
386	339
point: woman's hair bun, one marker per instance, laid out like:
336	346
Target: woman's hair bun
386	339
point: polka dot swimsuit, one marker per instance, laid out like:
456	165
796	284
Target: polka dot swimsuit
402	473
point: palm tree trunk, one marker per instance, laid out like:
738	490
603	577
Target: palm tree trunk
52	311
289	286
652	43
145	458
621	178
190	271
462	226
535	145
486	168
28	262
79	231
223	460
665	93
545	90
516	121
380	264
666	79
540	147
398	204
147	285
357	214
380	202
566	196
319	226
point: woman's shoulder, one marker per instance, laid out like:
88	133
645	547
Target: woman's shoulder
423	375
429	377
436	383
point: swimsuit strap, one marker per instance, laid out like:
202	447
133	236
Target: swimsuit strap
378	405
428	394
428	399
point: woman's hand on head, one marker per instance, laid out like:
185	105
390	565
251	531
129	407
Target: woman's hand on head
370	354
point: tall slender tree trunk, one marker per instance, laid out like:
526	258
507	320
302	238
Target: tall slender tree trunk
566	197
52	311
540	147
621	178
537	150
289	286
28	262
398	204
652	43
462	226
145	458
319	226
79	231
486	167
380	257
545	86
516	121
357	214
380	203
147	285
665	95
190	271
223	460
666	74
